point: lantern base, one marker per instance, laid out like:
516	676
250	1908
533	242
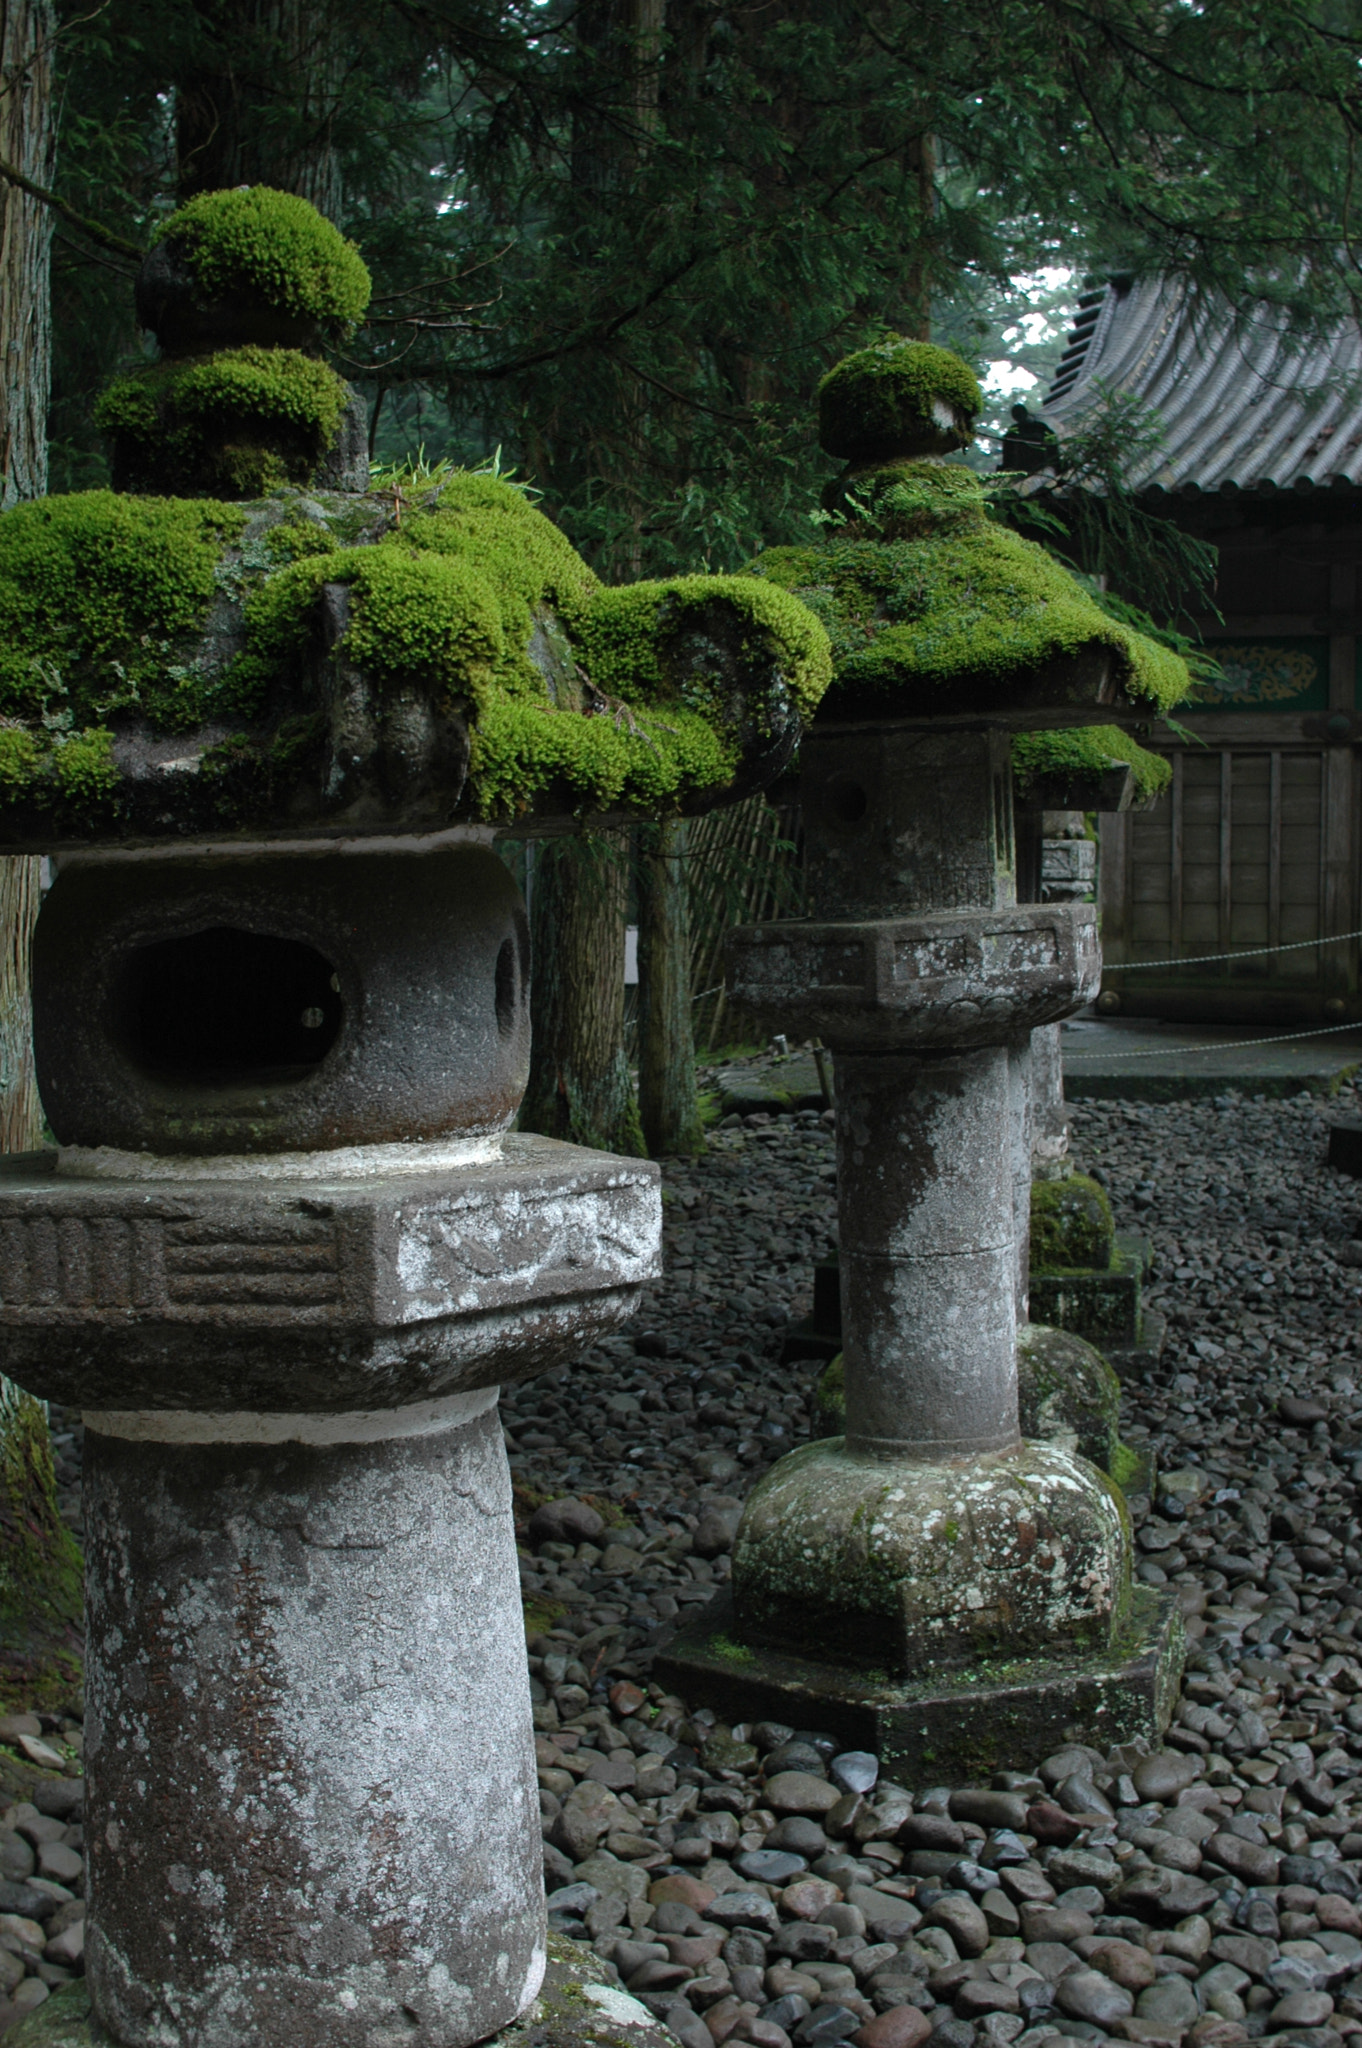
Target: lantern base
951	1728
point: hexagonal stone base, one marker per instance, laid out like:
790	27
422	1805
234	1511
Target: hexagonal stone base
953	1728
575	2008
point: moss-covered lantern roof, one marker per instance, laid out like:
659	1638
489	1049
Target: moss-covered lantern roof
234	647
932	608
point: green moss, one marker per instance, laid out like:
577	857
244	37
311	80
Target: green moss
98	596
587	698
237	423
658	638
41	1573
949	596
1088	750
888	399
1125	1466
731	1652
275	247
1071	1225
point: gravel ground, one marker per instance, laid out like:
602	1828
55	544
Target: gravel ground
756	1887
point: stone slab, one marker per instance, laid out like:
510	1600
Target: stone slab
1101	1307
955	979
783	1082
314	1290
577	2004
950	1729
1181	1062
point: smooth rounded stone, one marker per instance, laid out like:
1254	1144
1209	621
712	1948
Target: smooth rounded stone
1302	2009
717	1527
799	1792
795	1755
978	1996
1171	2002
743	1909
1082	1869
931	1832
799	1836
855	1770
1088	1995
808	1898
16	1856
1255	1864
1073	1761
1164	1774
827	2022
769	1866
963	1921
1054	1923
1078	1795
565	1521
1051	1959
903	2026
988	1809
1125	1963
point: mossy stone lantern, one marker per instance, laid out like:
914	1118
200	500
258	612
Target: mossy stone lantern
288	1245
929	1584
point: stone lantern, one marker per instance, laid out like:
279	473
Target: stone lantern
288	1245
929	1584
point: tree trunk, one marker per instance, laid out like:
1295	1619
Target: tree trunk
580	1087
669	1107
40	1571
21	1115
258	105
28	141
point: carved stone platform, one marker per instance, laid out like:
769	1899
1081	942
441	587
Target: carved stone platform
948	1728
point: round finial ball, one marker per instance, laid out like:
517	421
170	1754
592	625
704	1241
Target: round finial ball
897	398
250	265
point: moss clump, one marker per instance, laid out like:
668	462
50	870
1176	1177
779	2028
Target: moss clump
177	616
894	397
236	424
273	247
922	587
1071	1225
98	596
41	1572
1085	751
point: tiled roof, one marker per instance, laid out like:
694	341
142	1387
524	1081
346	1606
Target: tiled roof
1241	408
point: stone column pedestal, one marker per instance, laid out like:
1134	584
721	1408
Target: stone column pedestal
312	1811
929	1585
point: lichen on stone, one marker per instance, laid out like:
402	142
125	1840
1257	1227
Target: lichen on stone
236	423
1084	751
41	1571
274	246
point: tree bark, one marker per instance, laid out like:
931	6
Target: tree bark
580	1088
28	141
258	106
40	1572
669	1107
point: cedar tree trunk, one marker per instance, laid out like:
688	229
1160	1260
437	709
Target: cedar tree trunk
668	1105
580	1087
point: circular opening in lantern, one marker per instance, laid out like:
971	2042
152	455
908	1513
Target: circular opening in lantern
226	1006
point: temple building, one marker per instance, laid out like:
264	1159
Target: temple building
1254	848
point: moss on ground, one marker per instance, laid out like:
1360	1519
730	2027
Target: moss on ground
234	424
1087	750
274	247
